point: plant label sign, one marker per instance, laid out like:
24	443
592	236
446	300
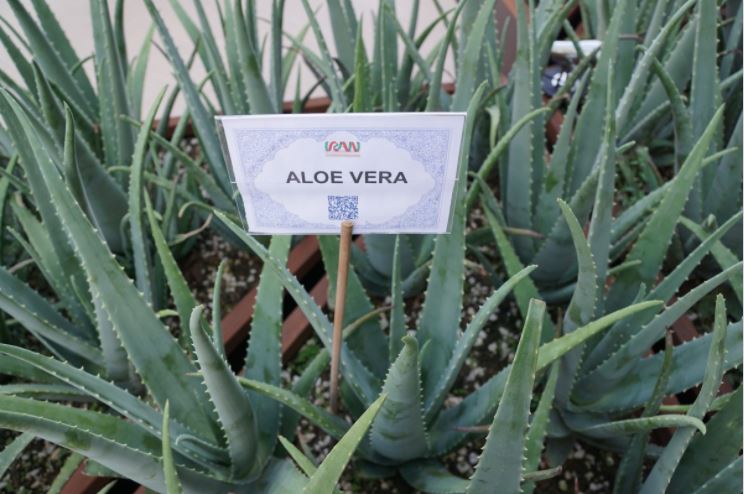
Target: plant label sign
385	172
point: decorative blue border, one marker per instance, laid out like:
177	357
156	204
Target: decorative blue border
428	146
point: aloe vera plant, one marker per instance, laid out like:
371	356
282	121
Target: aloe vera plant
417	372
170	402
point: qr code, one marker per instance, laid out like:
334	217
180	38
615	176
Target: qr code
343	207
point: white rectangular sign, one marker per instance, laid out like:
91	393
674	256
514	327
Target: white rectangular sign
386	172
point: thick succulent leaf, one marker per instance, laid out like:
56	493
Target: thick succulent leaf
723	197
136	76
723	256
231	402
539	427
500	466
107	393
397	327
727	480
69	467
586	141
708	454
582	307
642	424
398	431
263	359
38	316
660	476
478	405
200	116
651	246
152	350
117	137
326	476
622	362
688	368
140	251
472	53
280	477
54	66
257	91
116	444
364	383
13	449
467	339
433	477
369	344
440	314
172	484
433	102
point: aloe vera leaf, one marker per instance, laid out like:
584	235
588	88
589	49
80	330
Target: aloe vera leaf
53	64
46	392
162	366
539	427
365	384
49	265
136	76
586	142
41	318
433	477
622	361
329	471
276	84
722	197
113	396
478	405
237	84
179	289
524	291
557	173
643	66
369	344
280	477
581	308
493	156
117	444
661	474
397	316
118	140
643	424
519	170
9	454
142	267
652	244
498	467
552	14
711	452
57	38
102	198
305	464
263	359
663	291
362	101
634	390
631	466
326	61
26	152
201	118
472	52
727	480
433	102
69	467
559	244
467	339
172	484
411	50
440	314
257	92
683	135
398	431
388	43
232	404
23	66
723	256
601	222
732	41
342	32
331	424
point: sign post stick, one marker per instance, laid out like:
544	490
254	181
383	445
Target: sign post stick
338	312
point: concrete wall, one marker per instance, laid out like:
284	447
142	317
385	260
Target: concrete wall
74	17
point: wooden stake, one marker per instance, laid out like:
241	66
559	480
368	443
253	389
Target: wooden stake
344	252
